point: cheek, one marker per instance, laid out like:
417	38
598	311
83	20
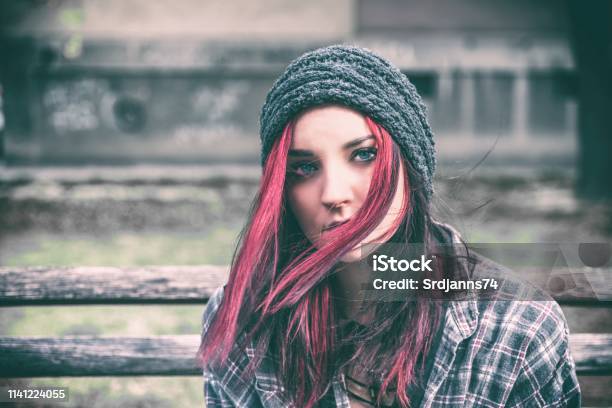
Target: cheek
389	223
364	179
303	206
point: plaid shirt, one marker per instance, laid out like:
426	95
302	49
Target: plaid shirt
492	353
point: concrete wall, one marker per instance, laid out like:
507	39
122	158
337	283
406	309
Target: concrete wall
210	19
183	81
522	16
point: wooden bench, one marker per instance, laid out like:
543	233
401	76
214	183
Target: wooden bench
165	355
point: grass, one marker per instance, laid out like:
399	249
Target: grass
127	249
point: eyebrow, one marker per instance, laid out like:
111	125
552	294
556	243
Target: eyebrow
357	142
348	145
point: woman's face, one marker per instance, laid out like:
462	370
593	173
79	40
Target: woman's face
330	165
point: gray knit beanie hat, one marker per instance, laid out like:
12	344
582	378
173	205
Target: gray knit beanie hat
356	78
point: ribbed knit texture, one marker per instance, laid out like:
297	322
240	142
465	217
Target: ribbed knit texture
356	78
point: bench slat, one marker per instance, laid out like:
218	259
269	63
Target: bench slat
98	356
175	355
108	285
194	284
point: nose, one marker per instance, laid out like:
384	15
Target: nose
337	189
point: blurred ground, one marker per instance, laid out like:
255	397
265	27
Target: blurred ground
185	216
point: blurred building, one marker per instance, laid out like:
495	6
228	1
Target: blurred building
115	81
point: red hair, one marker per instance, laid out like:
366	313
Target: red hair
280	288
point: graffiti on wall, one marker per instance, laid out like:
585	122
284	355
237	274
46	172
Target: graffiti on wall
72	106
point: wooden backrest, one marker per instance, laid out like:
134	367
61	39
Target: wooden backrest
175	355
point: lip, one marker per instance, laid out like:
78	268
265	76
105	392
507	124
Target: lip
334	224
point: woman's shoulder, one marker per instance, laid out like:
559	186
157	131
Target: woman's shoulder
230	381
523	328
512	295
526	333
515	339
516	301
513	310
211	308
241	349
217	371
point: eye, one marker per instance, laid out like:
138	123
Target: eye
367	154
303	169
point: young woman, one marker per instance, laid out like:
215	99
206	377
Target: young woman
348	162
